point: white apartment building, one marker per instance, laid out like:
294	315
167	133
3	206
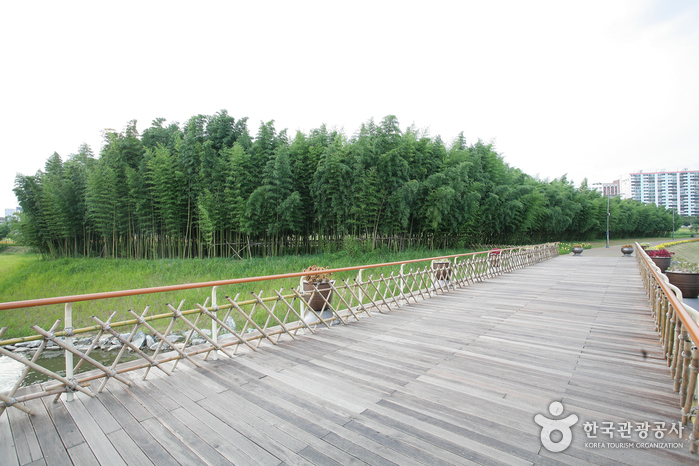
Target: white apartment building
608	189
677	190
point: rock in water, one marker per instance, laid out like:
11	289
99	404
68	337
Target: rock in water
139	339
230	322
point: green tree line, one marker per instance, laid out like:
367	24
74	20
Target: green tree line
210	188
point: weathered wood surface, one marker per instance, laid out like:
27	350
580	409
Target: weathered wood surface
453	380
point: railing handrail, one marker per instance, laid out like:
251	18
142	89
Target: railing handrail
689	324
232	281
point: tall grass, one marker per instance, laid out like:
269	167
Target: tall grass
28	276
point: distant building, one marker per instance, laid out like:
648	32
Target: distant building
625	186
678	190
10	212
608	189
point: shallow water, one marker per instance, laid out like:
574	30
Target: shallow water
54	361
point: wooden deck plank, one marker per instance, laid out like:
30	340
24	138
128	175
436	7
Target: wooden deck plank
225	446
98	442
275	440
293	423
64	423
82	454
174	435
127	448
399	443
39	462
225	439
150	447
174	444
8	452
24	437
307	408
135	409
452	380
52	448
437	438
101	415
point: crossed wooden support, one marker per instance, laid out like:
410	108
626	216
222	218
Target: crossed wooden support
269	319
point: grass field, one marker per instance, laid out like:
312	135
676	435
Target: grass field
27	276
687	251
600	243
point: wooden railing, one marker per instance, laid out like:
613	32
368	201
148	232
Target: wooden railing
227	326
679	335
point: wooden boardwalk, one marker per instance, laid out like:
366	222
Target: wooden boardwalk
456	380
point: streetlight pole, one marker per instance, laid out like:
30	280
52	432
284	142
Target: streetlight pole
607	220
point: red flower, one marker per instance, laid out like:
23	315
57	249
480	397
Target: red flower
659	253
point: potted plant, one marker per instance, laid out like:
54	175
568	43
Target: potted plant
627	249
318	279
645	246
442	269
494	257
661	257
685	276
577	249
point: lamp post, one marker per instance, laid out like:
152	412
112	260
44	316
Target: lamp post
607	220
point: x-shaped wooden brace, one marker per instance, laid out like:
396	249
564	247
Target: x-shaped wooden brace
249	320
127	343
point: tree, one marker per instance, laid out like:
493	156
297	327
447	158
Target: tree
195	191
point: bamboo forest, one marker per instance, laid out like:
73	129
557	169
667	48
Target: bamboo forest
210	188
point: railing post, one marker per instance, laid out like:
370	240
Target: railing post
669	333
455	273
686	360
214	324
402	282
360	294
676	368
68	328
692	389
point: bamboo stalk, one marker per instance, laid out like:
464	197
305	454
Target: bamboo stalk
291	308
271	313
686	355
305	303
371	282
359	302
26	369
178	315
190	334
46	372
250	320
364	292
691	388
224	326
95	363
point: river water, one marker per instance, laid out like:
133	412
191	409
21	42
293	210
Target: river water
11	370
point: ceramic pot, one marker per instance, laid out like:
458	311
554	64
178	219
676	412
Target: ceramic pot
442	270
688	283
324	290
662	262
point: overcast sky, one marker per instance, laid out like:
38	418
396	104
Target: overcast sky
589	89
